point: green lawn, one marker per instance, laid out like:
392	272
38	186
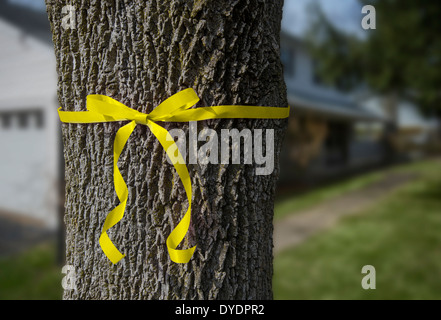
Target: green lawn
400	237
31	275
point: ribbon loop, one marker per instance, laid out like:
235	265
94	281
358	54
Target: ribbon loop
110	107
174	109
180	101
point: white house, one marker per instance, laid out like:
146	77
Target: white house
323	139
29	127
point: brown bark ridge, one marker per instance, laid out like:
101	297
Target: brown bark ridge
141	52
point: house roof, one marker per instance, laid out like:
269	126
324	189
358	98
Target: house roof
310	98
304	102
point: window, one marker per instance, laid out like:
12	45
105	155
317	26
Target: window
23	119
316	78
337	143
5	118
287	55
39	119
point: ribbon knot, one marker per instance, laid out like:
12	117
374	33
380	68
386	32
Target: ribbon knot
174	109
142	119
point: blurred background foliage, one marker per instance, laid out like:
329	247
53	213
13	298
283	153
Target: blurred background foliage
402	56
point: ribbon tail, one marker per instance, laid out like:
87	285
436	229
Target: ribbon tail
178	234
175	237
122	192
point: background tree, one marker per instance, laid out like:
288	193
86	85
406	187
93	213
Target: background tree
400	58
141	52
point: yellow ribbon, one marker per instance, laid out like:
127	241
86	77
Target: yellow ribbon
174	109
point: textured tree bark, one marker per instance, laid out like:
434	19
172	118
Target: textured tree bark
141	52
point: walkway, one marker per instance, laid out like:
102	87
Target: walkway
297	227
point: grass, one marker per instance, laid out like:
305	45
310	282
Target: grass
400	237
31	275
296	203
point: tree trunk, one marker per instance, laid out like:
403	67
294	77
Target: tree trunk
141	52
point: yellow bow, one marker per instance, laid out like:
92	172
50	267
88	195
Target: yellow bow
174	109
